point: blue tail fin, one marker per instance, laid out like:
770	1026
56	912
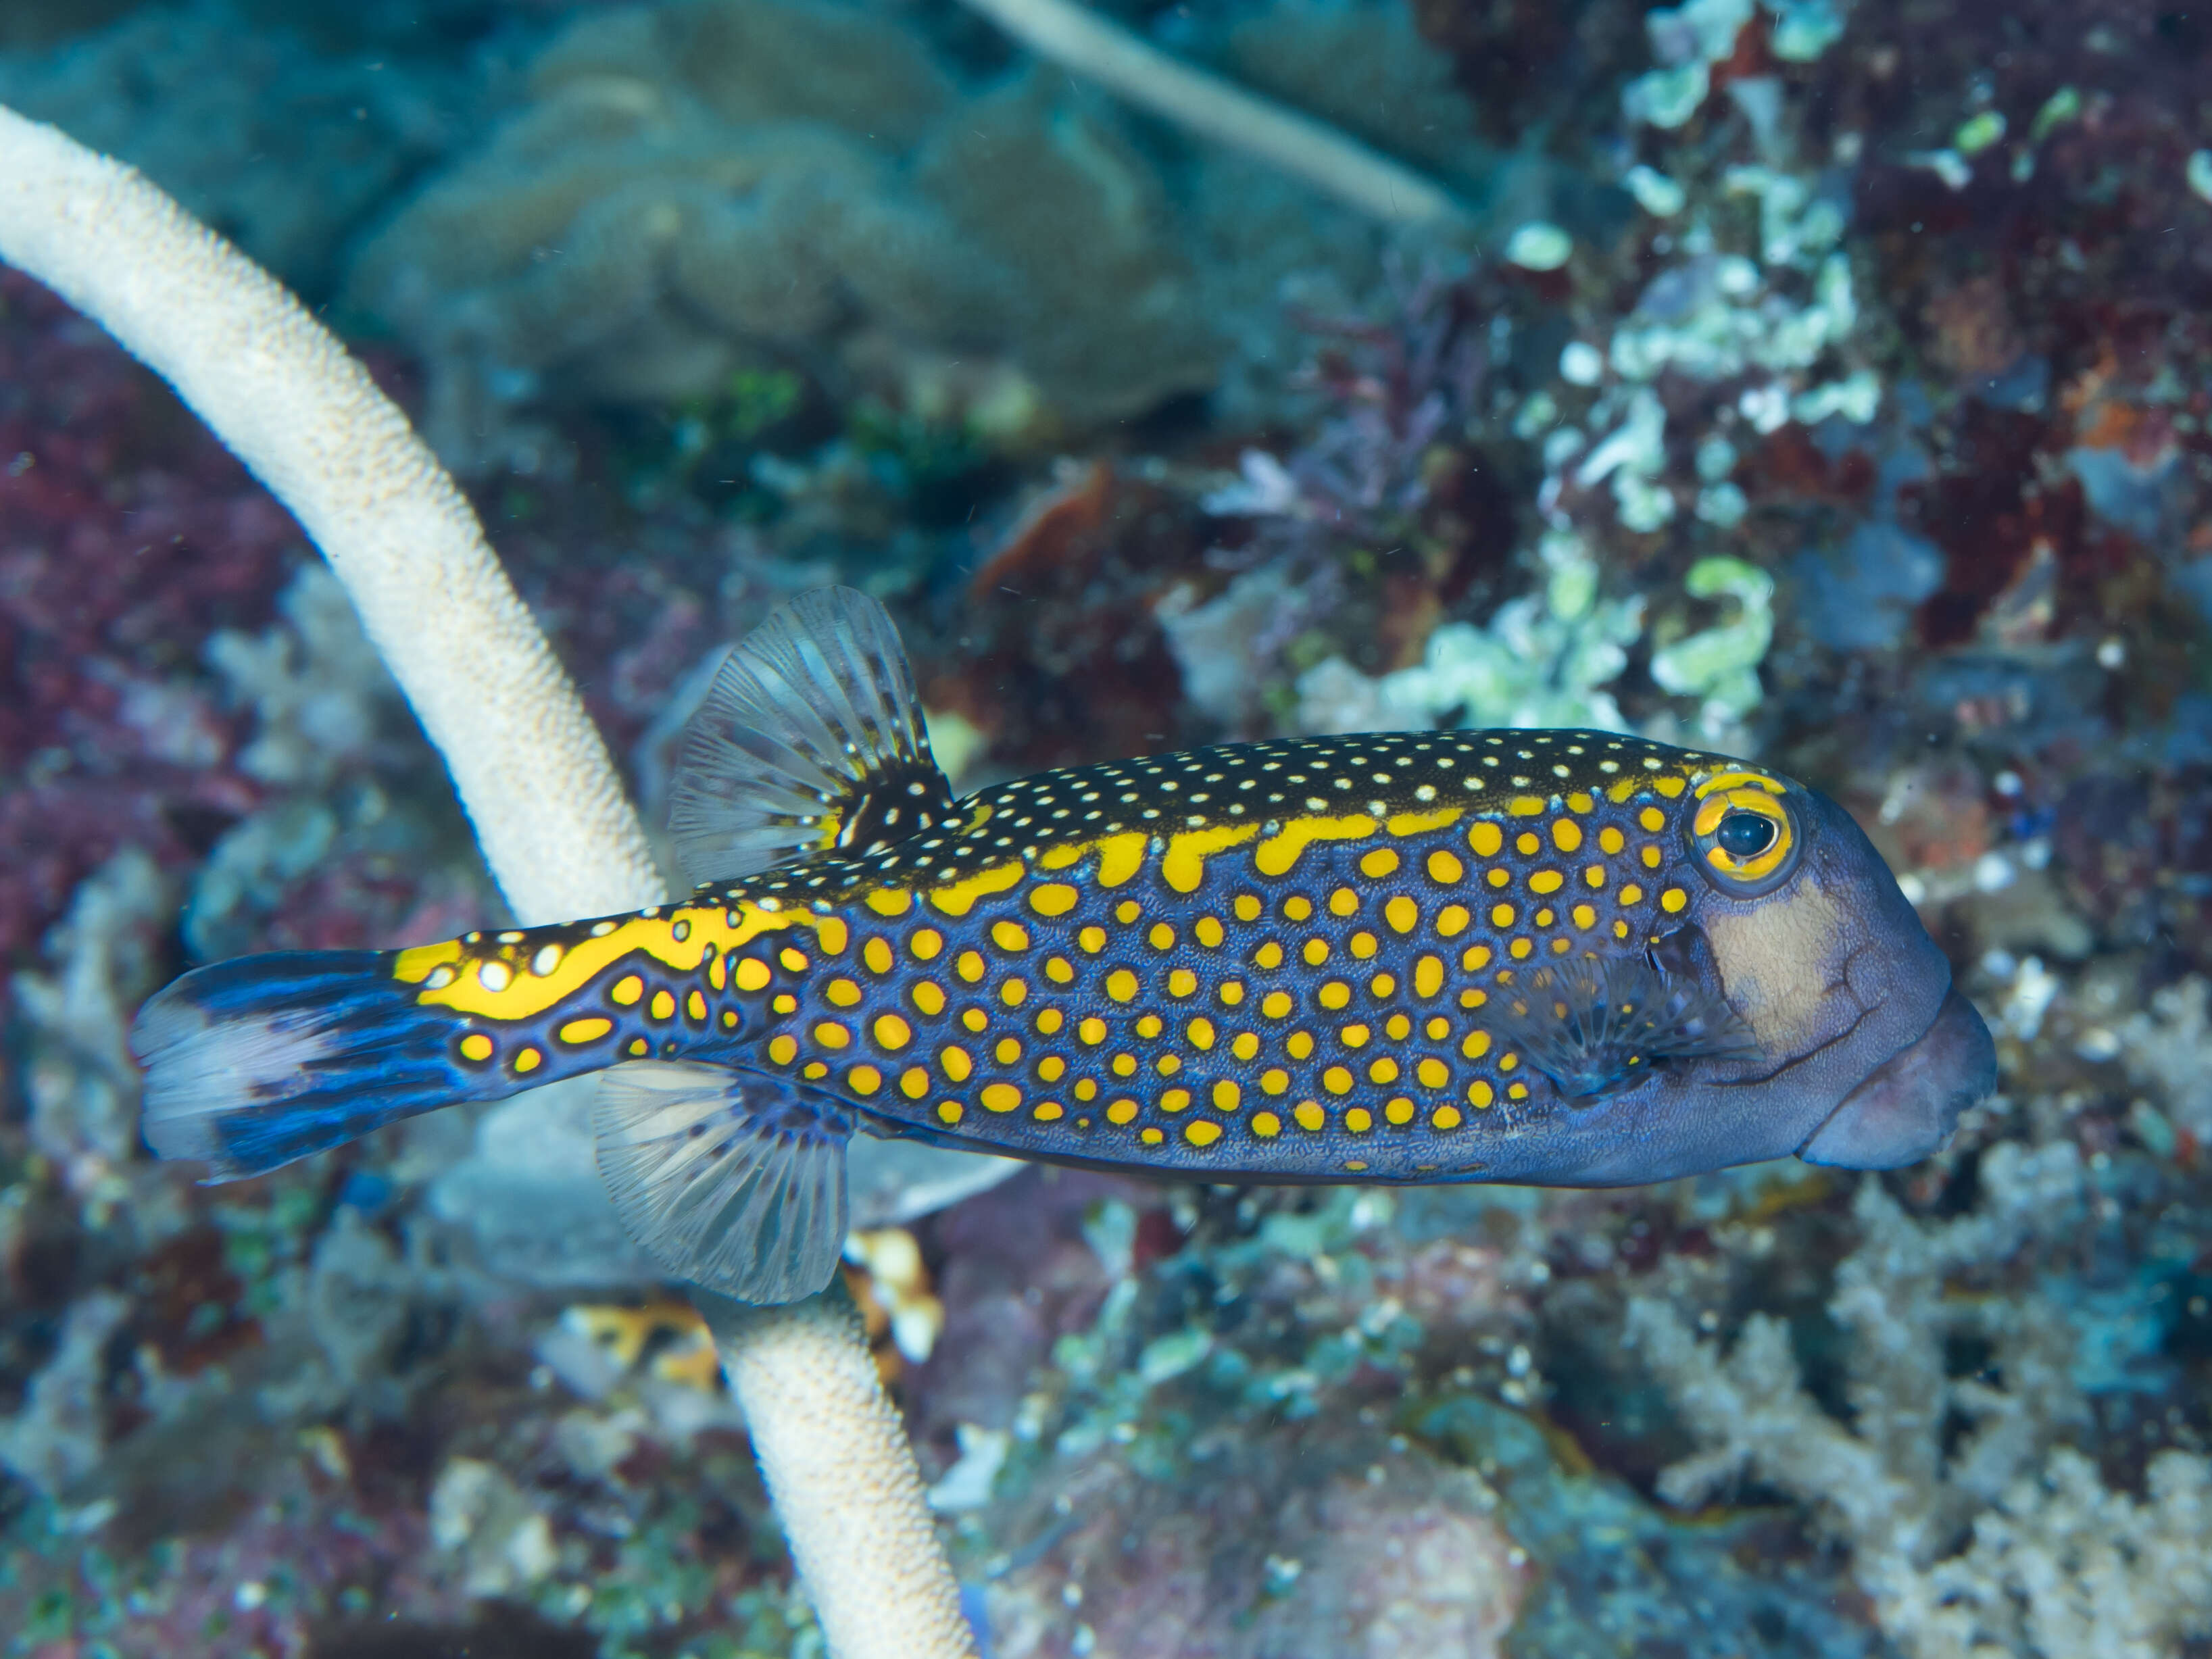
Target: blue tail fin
253	1063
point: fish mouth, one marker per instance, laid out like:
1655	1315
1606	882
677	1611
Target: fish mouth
1907	1107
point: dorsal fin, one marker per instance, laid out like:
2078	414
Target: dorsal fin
810	739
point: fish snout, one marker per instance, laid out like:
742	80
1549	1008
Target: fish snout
1907	1107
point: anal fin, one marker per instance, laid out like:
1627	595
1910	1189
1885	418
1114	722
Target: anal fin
732	1180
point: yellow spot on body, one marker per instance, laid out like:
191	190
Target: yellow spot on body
864	1079
1593	875
959	897
1008	1050
1266	1125
1120	857
1651	857
1182	982
1182	867
1315	952
1200	1033
887	901
696	1005
1010	936
1122	985
1337	1080
956	1063
914	1082
1433	1073
1343	902
1486	839
729	1019
1354	1036
1065	857
1128	911
1566	834
1452	920
876	954
1175	1100
718	972
1474	957
1092	1029
1428	976
974	1020
1276	855
628	989
1201	1131
1247	906
1013	992
1525	807
1092	939
1527	845
949	1111
1546	881
528	1060
1299	1045
1151	1136
1382	861
1384	1070
1584	916
1479	1094
1309	1115
1231	991
793	961
1054	898
1122	1111
1245	1045
842	994
1652	819
1438	1028
1402	914
1362	944
1398	1110
1382	984
1276	1005
1227	1097
1446	1117
1443	868
1051	1068
783	1049
1519	949
1124	1065
928	997
1333	993
1517	1091
1671	787
1673	900
1631	894
1268	955
830	1034
1274	1080
1360	1121
1049	1020
1208	930
832	934
1297	908
1162	937
639	1046
1620	792
999	1096
476	1045
663	1006
1476	1046
1420	824
1501	916
926	945
1048	1111
968	964
1610	840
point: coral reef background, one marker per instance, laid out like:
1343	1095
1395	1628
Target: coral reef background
1827	381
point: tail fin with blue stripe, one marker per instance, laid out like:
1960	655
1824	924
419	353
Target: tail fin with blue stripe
253	1063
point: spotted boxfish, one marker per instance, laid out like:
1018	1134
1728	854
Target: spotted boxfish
1556	957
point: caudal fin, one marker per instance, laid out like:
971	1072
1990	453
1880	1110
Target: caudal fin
253	1063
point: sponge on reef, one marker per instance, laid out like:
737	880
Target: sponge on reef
702	186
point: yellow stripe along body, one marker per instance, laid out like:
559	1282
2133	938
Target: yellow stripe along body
1270	960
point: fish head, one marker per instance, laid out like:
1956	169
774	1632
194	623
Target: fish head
1812	1012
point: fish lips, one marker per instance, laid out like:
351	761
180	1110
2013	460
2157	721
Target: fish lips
1907	1107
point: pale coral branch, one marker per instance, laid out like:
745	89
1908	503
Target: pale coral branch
556	826
1079	41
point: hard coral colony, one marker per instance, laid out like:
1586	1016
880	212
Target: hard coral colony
1564	400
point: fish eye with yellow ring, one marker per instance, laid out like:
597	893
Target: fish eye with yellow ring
1745	835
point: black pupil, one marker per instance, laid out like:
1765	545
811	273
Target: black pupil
1744	835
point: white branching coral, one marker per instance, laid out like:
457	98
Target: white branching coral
1999	1541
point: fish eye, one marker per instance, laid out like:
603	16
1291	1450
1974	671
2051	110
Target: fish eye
1744	834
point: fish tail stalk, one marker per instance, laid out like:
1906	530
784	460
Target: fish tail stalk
253	1063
